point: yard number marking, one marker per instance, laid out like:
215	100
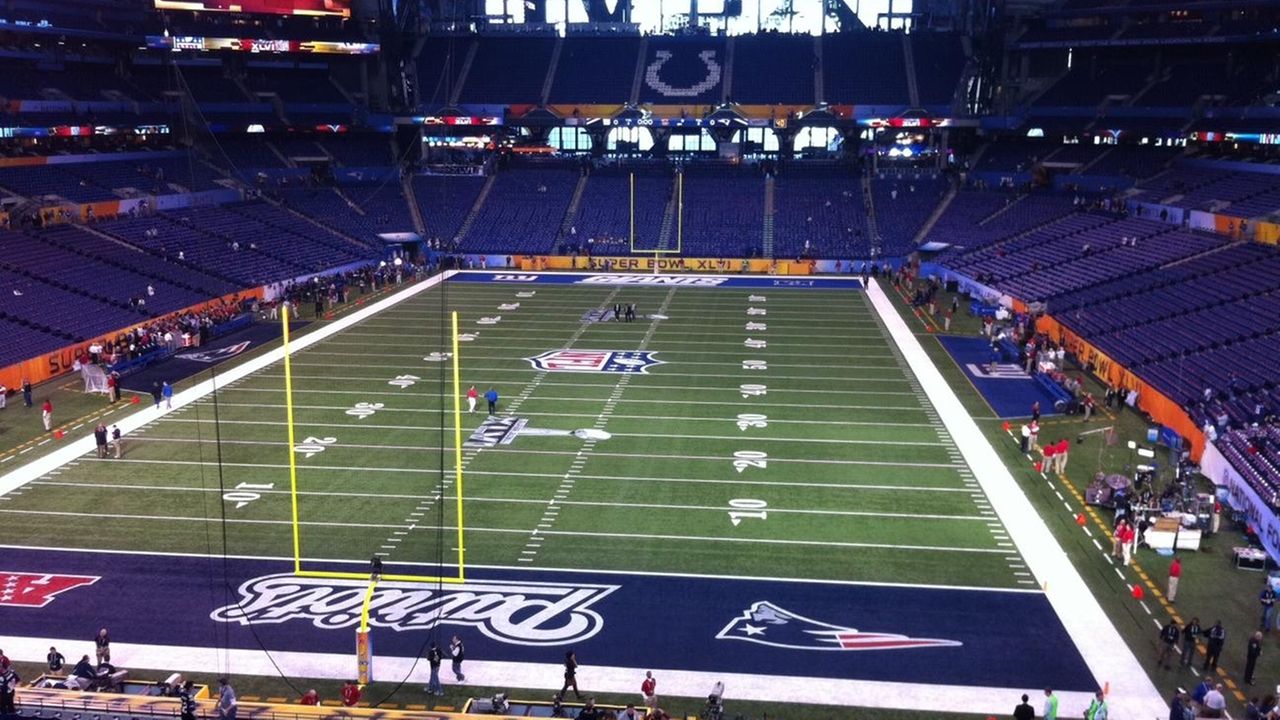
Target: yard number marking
363	410
755	365
313	445
754	344
242	496
756	326
744	459
756	311
753	390
438	356
752	420
747	508
404	381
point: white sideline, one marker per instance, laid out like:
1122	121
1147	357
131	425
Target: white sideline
1109	658
26	473
594	678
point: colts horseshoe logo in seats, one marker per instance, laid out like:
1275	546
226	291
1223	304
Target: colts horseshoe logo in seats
652	78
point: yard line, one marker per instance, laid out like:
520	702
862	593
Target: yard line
496	330
743	375
349	426
520	531
646	456
303	364
619	478
756	404
539	347
436	411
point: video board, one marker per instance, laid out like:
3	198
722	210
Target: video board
266	7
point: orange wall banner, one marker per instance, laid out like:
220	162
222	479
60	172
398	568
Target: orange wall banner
59	362
1266	233
1160	407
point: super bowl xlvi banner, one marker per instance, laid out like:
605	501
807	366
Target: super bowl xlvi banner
766	627
1243	497
852	282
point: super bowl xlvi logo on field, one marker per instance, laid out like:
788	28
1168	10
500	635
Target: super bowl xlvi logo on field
509	612
35	590
595	361
767	624
497	431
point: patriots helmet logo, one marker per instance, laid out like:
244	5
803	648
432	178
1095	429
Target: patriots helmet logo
214	356
767	624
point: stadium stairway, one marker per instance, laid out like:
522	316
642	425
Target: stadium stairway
551	69
634	98
726	88
574	202
913	88
464	72
933	217
470	220
873	231
767	241
668	222
415	212
819	92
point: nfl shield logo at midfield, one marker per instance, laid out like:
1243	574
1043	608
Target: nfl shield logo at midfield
595	361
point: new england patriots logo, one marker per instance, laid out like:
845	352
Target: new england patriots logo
767	624
597	361
214	356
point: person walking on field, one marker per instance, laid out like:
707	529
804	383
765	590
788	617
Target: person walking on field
570	674
166	391
649	690
1251	656
1217	638
1267	599
472	397
1024	711
1050	705
1175	574
46	414
434	658
1168	639
117	444
457	653
492	397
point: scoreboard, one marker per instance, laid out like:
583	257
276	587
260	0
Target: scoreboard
341	8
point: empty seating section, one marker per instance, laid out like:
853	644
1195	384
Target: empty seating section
997	217
959	223
445	201
55	311
87	81
1134	161
22	339
1183	84
359	149
439	65
683	70
206	83
1088	84
903	204
92	182
595	70
723	210
939	60
381	209
508	70
880	77
295	85
821	205
604	213
56	264
244	152
1013	155
772	69
524	210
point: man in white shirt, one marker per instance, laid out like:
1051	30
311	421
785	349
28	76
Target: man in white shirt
1214	703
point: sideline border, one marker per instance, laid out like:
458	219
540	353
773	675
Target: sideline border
1107	654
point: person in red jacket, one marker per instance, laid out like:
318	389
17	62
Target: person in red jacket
46	414
350	693
311	697
649	690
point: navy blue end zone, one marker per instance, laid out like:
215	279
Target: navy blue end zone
923	635
1009	391
649	280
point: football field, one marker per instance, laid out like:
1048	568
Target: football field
746	480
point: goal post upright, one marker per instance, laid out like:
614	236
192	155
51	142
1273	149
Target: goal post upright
298	570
